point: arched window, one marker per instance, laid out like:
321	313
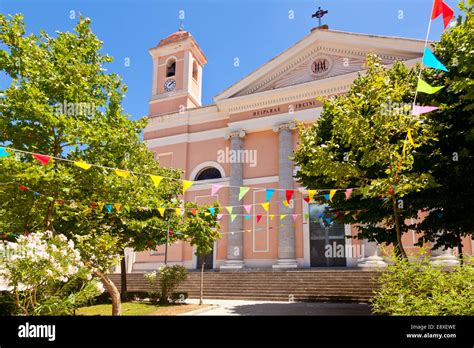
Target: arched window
171	68
208	173
195	71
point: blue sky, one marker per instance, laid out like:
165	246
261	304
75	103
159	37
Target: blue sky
252	30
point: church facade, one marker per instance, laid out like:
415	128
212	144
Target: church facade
246	138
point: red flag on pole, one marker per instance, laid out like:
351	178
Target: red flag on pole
440	7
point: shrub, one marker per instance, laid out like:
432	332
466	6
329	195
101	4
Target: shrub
47	277
421	288
7	304
153	295
170	278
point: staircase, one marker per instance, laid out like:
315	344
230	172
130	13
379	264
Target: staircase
301	285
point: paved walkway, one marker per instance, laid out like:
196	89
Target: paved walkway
240	307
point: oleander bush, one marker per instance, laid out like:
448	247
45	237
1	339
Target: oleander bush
421	288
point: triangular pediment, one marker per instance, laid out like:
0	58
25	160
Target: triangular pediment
321	55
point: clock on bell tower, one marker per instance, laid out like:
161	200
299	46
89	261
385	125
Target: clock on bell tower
177	74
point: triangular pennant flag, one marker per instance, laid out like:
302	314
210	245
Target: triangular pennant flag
109	207
326	196
156	180
232	217
4	152
83	165
118	206
215	188
243	191
348	193
265	206
259	217
426	88
282	216
212	210
247	208
286	204
306	217
289	194
229	209
410	139
193	211
269	193
331	194
219	216
23	188
100	205
440	7
186	184
42	158
295	216
430	60
207	213
122	173
247	216
306	199
418	110
271	216
36	194
178	211
311	194
161	211
328	220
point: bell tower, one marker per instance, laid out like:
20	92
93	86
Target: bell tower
177	74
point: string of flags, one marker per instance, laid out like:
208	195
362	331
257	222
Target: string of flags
186	184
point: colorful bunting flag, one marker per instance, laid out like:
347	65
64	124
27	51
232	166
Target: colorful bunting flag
23	188
426	88
100	205
271	217
82	164
266	206
156	180
306	199
306	217
311	194
268	194
212	210
207	213
247	216
295	216
42	158
430	60
247	208
259	217
229	209
326	196
440	7
122	173
331	194
286	204
4	152
178	211
193	211
348	193
289	194
108	207
232	217
186	184
219	216
418	110
282	216
215	188
410	139
161	211
243	191
118	206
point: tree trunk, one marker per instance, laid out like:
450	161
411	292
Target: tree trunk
460	253
113	291
396	217
202	285
123	278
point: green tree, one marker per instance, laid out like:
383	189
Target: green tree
361	141
451	202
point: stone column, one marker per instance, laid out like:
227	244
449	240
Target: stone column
371	258
235	240
286	233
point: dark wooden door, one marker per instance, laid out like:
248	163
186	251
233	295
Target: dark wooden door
327	239
207	259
